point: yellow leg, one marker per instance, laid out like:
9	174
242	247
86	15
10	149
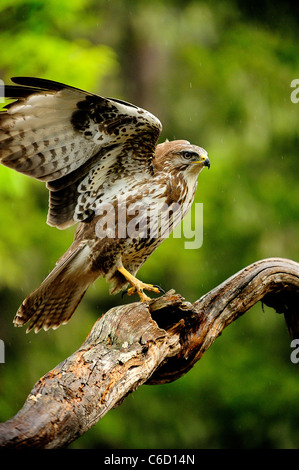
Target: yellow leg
138	286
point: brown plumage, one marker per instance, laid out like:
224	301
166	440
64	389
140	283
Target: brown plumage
101	163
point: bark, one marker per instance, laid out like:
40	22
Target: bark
153	343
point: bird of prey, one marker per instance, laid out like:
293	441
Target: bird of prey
102	164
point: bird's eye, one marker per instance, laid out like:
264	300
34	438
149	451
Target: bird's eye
188	155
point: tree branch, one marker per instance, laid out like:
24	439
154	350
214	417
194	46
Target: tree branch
141	343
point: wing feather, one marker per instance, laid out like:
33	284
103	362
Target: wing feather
74	141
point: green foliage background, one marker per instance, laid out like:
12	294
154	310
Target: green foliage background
215	73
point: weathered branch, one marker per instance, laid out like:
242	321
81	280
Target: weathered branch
137	343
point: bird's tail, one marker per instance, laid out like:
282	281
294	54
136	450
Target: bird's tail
55	300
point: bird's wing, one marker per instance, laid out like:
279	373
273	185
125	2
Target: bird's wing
74	141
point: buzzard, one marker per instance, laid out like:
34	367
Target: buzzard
102	165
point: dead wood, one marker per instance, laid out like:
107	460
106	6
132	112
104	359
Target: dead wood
153	343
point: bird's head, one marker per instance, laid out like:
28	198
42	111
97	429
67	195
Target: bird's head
181	156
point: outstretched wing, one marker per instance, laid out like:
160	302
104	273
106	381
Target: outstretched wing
75	141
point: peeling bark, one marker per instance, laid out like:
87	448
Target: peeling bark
154	343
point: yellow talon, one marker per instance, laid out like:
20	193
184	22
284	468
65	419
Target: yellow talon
138	286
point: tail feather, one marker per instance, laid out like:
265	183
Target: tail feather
55	300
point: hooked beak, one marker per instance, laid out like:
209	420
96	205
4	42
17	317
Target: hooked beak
204	161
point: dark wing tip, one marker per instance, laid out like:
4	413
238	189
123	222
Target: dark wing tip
42	84
15	91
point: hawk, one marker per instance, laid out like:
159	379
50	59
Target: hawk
102	164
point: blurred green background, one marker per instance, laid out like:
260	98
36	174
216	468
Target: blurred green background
215	73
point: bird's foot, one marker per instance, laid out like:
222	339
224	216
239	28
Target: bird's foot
140	287
137	287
